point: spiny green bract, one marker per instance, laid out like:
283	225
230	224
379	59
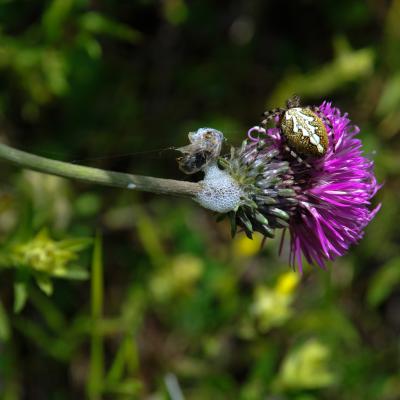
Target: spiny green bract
265	181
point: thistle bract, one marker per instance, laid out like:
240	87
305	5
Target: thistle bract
267	184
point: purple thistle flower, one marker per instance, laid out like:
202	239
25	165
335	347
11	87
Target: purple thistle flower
333	196
323	200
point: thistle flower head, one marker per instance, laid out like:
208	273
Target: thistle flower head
324	201
331	204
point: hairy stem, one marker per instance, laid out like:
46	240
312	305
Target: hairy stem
99	176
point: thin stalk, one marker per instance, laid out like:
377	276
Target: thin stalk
99	176
96	374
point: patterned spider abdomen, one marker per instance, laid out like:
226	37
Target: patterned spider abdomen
305	132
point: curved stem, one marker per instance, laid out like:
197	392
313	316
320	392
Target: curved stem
99	176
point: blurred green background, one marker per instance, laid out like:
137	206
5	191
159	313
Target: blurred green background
110	294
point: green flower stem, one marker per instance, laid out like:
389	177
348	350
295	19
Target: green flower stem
99	176
96	375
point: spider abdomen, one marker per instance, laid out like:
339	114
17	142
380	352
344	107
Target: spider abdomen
305	132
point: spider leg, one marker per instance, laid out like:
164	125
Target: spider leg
296	156
324	118
269	115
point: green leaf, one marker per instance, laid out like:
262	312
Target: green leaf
384	282
390	98
306	367
4	324
57	347
49	310
126	359
96	23
45	284
20	295
73	272
348	66
129	387
75	244
55	17
91	45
